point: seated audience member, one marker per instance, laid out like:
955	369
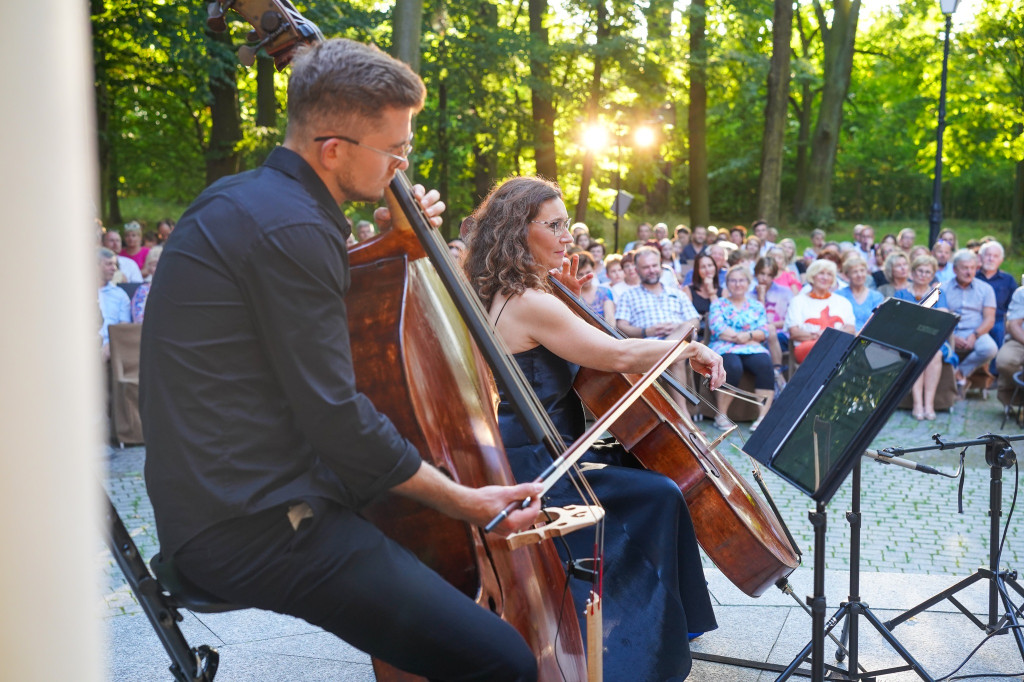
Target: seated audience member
150	239
698	239
613	270
759	229
882	252
738	327
922	273
812	252
973	245
630	278
682	240
365	230
793	264
864	244
130	272
142	293
1003	284
115	308
918	251
133	247
775	300
718	252
889	238
704	289
905	239
457	248
164	229
652	310
786	277
669	262
897	273
861	298
975	302
948	236
752	246
643	234
811	312
660	231
943	252
737	235
597	296
581	235
1010	358
598	251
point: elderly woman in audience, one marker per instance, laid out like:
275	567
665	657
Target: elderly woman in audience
948	236
812	312
863	299
905	239
597	296
133	247
142	293
897	273
738	327
581	235
922	272
775	299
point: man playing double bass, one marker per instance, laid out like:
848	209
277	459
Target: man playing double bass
260	450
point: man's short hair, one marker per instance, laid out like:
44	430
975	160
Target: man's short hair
338	78
646	251
964	255
103	253
992	246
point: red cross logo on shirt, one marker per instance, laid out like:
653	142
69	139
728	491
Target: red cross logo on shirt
825	320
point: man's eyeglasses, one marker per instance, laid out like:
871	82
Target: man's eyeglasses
556	226
402	156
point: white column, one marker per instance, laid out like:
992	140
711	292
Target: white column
50	627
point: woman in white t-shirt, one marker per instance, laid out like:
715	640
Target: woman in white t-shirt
812	312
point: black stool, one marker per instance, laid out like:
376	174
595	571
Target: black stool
1018	386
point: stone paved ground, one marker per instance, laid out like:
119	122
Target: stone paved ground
911	524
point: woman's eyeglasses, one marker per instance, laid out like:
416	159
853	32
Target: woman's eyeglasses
556	226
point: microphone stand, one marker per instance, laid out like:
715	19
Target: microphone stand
999	455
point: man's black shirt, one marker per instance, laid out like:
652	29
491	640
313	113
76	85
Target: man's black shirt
247	388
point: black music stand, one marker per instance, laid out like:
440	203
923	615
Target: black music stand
837	402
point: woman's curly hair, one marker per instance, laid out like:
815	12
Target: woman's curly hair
498	259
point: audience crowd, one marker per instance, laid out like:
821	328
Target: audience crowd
745	291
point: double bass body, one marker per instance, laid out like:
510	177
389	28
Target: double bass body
415	360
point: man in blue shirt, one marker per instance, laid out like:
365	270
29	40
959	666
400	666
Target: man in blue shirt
975	303
115	306
1003	284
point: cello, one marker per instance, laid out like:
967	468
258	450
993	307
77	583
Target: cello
738	531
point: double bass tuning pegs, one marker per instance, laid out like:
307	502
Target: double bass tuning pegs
247	54
215	17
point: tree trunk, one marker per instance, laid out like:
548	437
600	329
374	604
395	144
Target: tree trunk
838	42
593	102
700	211
407	22
266	97
110	208
770	190
659	52
222	155
1017	211
541	97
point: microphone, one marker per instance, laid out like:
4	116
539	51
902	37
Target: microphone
907	464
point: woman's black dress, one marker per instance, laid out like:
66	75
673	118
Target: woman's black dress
654	587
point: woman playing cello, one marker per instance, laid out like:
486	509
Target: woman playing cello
654	587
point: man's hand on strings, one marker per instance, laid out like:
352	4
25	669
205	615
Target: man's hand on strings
567	274
430	201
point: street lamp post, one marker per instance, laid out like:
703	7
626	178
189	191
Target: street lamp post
595	137
935	218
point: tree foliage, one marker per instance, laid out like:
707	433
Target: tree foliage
507	95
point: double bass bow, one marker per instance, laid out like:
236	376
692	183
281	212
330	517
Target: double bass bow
738	531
